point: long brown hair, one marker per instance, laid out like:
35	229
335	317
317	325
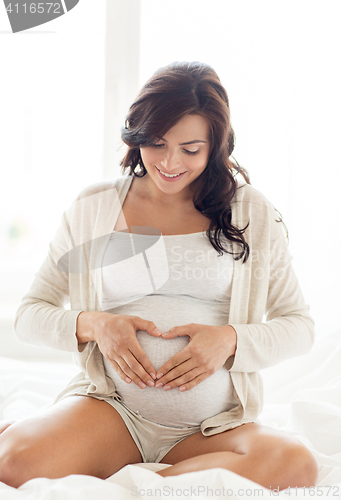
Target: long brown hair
174	91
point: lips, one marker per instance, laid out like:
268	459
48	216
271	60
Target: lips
174	174
170	179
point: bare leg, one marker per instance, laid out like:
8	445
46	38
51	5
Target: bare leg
78	435
223	459
263	455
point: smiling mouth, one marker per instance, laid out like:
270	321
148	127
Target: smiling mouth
169	175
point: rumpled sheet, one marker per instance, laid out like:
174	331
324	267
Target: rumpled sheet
302	398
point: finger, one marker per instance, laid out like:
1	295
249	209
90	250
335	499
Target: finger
136	371
176	360
128	375
188	380
128	359
119	371
177	372
194	382
148	370
180	331
148	326
132	345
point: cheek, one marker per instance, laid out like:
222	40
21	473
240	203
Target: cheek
148	157
197	163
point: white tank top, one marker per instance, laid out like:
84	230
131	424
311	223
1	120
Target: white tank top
171	280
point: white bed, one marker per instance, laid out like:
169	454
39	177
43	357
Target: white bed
302	397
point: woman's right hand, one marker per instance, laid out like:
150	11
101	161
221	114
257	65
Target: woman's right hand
115	335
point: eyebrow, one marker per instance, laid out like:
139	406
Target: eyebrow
184	143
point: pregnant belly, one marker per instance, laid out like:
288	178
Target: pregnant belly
174	408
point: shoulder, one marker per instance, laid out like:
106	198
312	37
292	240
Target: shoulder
95	208
118	183
249	195
249	205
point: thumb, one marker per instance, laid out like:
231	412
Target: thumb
177	331
146	325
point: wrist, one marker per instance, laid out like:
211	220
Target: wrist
231	340
232	336
86	326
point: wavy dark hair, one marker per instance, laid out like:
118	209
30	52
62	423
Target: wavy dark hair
172	92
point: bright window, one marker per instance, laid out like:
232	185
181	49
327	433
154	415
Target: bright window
280	64
51	133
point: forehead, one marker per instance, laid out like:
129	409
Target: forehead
190	127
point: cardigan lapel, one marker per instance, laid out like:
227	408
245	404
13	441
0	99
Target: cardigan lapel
109	206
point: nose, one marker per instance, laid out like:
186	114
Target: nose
170	162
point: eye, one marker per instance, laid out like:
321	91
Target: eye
191	152
157	146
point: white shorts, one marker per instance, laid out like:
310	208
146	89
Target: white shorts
153	440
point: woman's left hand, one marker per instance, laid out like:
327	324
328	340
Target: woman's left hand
208	349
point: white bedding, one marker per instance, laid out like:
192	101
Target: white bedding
302	397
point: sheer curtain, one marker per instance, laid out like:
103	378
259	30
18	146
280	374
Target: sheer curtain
51	141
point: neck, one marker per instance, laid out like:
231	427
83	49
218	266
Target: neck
150	192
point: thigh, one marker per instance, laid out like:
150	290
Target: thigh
250	438
77	435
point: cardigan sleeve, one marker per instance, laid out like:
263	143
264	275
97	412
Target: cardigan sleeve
289	328
42	318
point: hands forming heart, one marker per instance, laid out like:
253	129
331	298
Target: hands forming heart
207	351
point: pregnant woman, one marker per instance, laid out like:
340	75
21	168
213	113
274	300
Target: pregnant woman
180	290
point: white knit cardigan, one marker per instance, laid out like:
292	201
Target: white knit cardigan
267	308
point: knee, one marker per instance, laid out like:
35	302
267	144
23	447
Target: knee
7	467
279	464
301	466
14	465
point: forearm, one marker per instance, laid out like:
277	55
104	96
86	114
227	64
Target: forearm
266	344
42	324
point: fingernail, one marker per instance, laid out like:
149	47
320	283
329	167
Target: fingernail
182	388
157	331
165	333
167	387
128	379
150	383
159	384
142	385
153	375
160	375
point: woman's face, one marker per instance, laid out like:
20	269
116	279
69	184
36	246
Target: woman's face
180	156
